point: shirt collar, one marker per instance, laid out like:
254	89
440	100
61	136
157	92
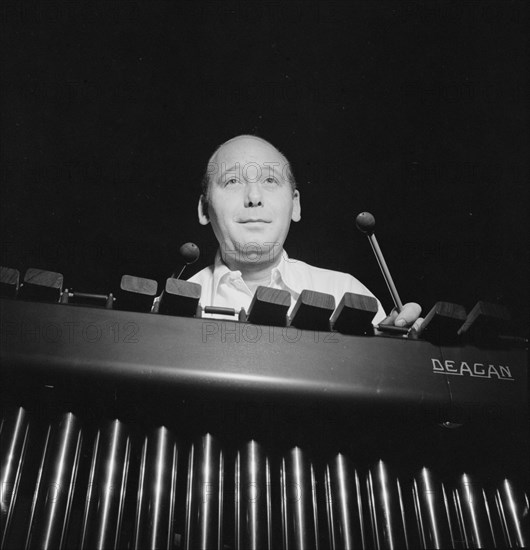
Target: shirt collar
280	274
221	271
285	275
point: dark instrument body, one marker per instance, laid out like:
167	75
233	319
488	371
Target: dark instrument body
131	430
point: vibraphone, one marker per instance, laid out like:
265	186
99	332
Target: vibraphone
143	431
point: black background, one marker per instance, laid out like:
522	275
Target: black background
415	111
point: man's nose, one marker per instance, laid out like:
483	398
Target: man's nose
253	195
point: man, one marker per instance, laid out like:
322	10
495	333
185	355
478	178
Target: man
249	196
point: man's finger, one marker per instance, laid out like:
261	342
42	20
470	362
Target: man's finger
409	314
389	319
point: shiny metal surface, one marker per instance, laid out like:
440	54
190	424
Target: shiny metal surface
252	499
387	514
474	513
299	503
13	444
513	508
157	492
432	511
55	486
344	505
204	506
131	492
106	489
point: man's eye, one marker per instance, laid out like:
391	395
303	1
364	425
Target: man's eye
271	180
231	181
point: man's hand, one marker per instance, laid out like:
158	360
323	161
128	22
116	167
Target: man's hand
409	317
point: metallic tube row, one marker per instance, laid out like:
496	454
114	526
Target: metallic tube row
340	508
13	446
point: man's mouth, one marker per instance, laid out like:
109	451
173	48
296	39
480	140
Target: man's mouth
252	220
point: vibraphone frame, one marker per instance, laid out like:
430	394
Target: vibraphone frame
127	430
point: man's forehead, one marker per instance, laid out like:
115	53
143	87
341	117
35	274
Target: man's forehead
243	149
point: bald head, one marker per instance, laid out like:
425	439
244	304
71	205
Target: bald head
249	198
229	151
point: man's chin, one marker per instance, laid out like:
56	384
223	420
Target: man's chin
254	252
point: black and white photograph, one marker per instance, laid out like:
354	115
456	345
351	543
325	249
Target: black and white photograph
264	275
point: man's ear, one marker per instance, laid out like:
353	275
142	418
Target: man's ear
297	207
202	211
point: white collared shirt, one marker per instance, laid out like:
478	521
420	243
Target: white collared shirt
222	287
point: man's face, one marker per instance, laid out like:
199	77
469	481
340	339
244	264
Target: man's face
250	202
